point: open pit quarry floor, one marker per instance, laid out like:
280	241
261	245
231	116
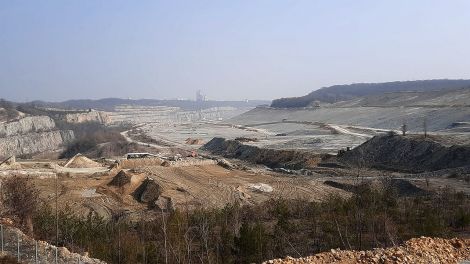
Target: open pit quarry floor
316	137
85	190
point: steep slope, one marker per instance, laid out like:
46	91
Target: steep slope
8	111
338	93
457	97
31	135
438	118
291	159
413	154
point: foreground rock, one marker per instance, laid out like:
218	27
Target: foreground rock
416	250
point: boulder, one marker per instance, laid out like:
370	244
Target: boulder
122	178
148	191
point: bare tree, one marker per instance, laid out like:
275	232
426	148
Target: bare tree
425	127
404	128
20	198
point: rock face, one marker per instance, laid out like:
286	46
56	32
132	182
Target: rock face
27	125
32	135
34	142
92	116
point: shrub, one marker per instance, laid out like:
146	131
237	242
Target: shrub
21	200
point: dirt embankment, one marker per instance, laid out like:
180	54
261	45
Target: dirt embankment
411	154
416	250
291	159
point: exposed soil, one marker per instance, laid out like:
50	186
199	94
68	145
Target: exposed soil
411	154
80	161
416	250
274	158
120	179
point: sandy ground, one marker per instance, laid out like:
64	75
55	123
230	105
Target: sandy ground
188	187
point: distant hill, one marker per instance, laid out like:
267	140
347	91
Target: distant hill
339	93
108	104
7	111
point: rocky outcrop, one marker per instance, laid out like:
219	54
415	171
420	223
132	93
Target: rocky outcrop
34	142
92	116
411	154
27	125
31	135
148	191
121	179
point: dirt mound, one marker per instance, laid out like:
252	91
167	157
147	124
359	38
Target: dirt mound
121	179
291	159
401	186
416	250
80	161
412	154
406	188
148	191
194	141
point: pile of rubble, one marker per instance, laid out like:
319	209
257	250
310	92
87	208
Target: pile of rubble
80	161
416	250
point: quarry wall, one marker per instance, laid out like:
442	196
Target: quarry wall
31	135
26	125
92	116
34	142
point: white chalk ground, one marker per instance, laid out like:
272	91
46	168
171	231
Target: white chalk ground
313	137
261	187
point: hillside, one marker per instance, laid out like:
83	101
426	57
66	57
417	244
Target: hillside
338	93
291	159
389	118
7	111
443	98
410	153
109	104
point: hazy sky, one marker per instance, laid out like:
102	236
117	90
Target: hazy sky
56	50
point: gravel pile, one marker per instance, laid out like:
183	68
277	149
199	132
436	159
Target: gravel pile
416	250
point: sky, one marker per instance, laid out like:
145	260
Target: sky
231	50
